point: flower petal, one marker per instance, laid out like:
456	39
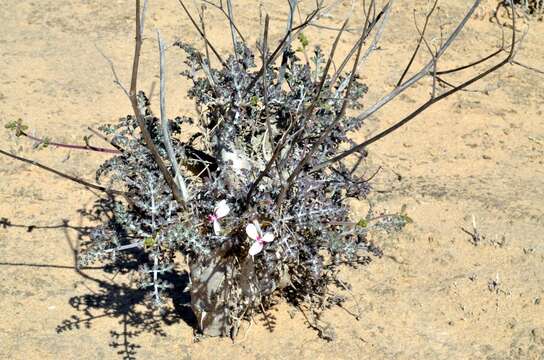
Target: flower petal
216	227
258	227
255	248
252	232
222	209
268	237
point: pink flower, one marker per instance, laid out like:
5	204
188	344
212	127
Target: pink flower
221	210
254	232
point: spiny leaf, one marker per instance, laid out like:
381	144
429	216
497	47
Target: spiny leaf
149	242
16	126
362	223
303	40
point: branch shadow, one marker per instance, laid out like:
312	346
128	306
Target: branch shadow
115	299
121	301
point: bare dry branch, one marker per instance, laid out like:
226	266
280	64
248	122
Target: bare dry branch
63	175
202	34
164	122
112	67
367	29
421	37
294	31
430	102
528	67
293	4
86	147
100	135
139	115
232	28
222	10
324	134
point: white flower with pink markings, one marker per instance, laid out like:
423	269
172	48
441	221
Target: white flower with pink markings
221	210
254	232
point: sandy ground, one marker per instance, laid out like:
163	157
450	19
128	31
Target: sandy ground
434	294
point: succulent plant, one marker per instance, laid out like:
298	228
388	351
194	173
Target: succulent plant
256	199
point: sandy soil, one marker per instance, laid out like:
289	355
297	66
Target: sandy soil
434	294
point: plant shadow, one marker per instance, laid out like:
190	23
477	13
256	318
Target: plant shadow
112	298
126	304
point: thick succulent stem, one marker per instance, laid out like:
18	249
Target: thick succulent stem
208	293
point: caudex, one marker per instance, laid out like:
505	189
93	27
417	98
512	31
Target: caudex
256	200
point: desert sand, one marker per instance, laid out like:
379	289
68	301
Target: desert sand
435	294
